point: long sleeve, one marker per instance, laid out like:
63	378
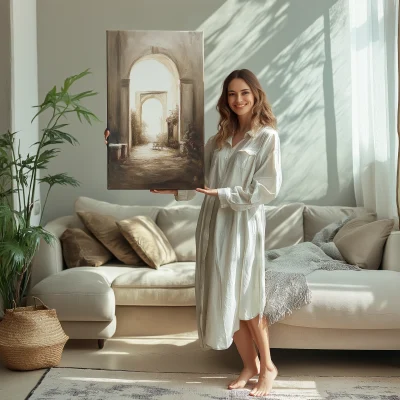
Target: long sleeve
266	181
186	195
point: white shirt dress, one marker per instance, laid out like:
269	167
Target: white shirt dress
230	234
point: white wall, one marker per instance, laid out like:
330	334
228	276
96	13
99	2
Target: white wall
299	50
5	67
24	88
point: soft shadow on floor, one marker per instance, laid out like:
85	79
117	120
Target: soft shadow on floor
175	354
183	354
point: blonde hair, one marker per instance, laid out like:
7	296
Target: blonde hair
261	113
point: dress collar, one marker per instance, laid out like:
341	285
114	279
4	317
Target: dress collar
251	133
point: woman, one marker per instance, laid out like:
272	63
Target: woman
243	172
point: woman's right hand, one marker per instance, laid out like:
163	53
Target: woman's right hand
106	135
165	191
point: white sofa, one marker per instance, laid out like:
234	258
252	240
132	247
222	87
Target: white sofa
349	309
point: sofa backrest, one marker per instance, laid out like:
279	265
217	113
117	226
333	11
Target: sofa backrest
118	211
284	227
179	226
286	224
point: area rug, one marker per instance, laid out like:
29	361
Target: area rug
90	384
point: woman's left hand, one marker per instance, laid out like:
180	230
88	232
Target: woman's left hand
208	191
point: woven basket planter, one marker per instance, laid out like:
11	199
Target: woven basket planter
31	338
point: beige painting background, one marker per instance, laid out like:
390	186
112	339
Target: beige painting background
136	158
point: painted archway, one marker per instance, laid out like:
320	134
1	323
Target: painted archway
142	97
154	76
152	117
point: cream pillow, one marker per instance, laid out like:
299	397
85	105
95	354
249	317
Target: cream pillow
82	250
148	240
361	241
105	229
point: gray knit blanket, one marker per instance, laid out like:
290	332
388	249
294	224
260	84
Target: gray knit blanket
286	285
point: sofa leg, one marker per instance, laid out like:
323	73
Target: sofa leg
100	343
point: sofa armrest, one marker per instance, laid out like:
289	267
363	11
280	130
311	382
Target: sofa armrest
391	254
48	259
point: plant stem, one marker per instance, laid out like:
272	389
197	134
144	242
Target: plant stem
60	114
32	184
20	174
16	172
44	205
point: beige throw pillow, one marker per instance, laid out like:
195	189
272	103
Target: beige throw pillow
82	250
353	224
105	229
361	241
318	217
148	240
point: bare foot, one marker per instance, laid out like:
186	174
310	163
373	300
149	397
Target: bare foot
265	381
246	374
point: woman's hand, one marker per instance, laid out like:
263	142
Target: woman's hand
165	191
208	191
106	135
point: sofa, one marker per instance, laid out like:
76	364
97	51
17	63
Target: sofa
349	309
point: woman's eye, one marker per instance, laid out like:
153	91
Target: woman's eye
246	93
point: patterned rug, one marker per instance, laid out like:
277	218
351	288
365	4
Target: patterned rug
90	384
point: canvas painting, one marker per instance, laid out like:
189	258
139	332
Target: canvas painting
155	110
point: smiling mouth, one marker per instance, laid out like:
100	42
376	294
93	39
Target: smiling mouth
240	105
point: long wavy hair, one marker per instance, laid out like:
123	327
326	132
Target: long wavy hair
261	113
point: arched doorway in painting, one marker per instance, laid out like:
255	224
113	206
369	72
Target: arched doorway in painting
154	83
151	117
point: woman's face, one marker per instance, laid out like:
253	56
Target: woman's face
240	97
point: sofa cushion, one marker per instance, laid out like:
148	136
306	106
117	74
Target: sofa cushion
170	285
352	225
179	226
350	300
86	204
361	241
284	225
81	249
317	217
148	240
80	294
105	229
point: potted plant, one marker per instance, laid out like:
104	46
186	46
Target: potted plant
20	178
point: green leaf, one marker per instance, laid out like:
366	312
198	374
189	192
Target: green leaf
50	142
41	110
46	156
12	249
54	136
72	79
23	179
82	95
78	113
59	126
8	192
60	179
28	160
66	137
18	239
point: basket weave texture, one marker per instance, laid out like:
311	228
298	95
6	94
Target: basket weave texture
31	338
